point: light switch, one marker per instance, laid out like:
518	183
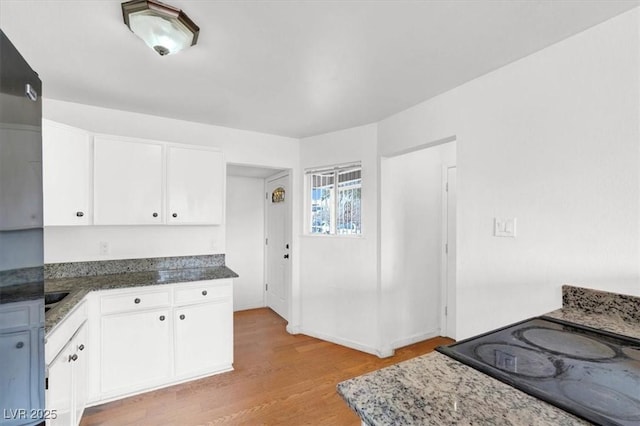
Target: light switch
504	227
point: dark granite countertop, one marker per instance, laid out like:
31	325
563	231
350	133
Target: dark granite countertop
434	389
21	292
78	287
21	284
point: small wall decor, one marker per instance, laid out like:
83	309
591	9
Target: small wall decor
277	196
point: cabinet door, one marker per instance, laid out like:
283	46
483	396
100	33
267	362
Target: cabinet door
66	155
195	186
135	351
59	388
204	338
127	182
15	368
80	372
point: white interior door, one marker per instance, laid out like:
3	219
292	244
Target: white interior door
449	325
278	245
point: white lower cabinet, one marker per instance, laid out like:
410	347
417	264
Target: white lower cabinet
204	337
60	387
67	372
155	336
136	350
21	372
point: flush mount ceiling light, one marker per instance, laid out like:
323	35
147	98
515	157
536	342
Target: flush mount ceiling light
164	28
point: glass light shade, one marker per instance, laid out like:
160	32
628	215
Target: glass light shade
163	28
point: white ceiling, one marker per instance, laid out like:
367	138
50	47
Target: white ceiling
292	68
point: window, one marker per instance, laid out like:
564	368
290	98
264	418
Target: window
335	200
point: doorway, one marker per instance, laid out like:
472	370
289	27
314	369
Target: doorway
245	232
413	265
278	244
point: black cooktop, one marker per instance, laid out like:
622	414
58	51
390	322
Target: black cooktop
590	373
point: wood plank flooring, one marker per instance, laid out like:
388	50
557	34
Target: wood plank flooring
279	379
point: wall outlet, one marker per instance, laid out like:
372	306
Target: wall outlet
104	247
504	227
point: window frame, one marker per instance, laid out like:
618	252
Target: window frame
308	216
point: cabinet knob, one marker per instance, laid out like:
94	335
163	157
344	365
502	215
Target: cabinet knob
175	215
20	345
155	214
79	214
286	256
161	317
81	347
136	300
204	292
182	316
73	357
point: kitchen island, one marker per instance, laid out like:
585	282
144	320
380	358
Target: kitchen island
437	390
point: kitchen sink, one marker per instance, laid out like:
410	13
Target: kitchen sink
53	298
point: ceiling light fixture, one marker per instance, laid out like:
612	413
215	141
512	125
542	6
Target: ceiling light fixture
164	28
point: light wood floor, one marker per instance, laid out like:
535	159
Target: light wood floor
279	379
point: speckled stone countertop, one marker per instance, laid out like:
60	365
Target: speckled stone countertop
79	286
437	390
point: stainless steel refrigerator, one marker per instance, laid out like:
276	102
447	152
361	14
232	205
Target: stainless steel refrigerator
21	242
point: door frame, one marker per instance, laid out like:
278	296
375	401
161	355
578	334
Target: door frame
444	286
289	212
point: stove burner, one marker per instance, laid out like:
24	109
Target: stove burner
517	360
567	343
633	353
601	399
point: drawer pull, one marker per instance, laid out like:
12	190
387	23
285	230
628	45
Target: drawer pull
73	357
79	214
136	300
204	292
161	317
182	316
155	214
81	347
175	215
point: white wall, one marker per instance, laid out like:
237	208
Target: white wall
551	140
411	244
20	249
245	240
339	273
243	147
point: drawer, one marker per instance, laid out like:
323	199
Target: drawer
202	291
133	301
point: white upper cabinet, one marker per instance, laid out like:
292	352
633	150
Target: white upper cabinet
127	182
195	186
66	153
112	180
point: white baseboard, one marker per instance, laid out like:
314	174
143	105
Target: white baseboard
247	306
414	339
293	329
345	342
